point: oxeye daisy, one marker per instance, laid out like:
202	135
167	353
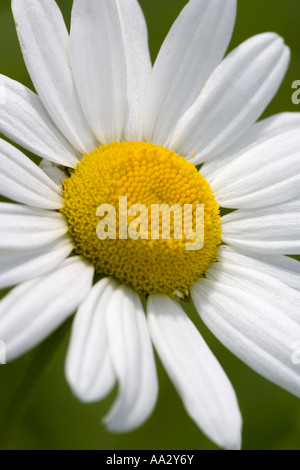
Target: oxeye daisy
107	124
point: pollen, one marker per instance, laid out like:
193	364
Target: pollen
144	174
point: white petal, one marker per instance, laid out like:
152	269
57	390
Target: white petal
32	311
283	268
21	266
256	332
99	66
89	369
25	228
193	48
53	171
133	360
267	174
259	133
206	392
244	273
24	120
271	230
22	181
135	40
233	98
45	45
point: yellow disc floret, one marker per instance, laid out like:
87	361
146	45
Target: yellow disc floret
149	175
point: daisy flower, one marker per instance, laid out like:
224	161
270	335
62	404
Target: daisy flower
108	124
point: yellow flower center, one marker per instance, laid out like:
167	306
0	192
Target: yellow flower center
148	175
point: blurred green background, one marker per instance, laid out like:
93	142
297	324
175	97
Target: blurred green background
55	419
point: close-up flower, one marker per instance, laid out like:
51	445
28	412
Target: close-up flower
107	124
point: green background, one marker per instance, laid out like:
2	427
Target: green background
55	419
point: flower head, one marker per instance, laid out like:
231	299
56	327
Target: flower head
109	125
